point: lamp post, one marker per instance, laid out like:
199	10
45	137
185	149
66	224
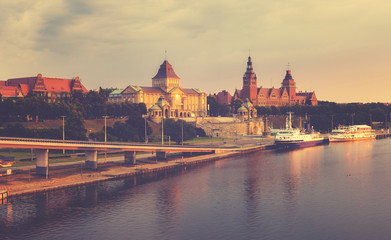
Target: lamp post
63	133
182	132
162	128
105	135
145	129
105	128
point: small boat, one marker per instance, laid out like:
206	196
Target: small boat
6	163
352	133
293	137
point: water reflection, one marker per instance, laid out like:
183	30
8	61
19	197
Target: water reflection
337	191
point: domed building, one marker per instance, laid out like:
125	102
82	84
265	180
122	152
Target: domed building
167	94
247	110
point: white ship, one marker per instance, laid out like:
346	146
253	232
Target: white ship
293	137
352	133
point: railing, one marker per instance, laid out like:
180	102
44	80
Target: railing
117	144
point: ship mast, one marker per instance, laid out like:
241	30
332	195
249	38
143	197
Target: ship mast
290	120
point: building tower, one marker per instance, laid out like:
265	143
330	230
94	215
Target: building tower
249	89
290	85
166	78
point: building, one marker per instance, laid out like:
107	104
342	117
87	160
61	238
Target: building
223	97
165	96
247	110
285	95
52	88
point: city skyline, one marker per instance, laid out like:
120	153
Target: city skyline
339	49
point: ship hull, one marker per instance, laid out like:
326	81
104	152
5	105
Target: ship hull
298	144
331	139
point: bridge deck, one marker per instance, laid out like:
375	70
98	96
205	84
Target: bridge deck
104	146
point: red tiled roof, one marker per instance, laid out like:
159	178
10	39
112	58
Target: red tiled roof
2	83
189	91
9	91
25	89
165	71
305	94
152	89
57	85
27	80
51	84
264	91
237	92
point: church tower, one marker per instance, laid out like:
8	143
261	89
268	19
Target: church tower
166	78
249	89
290	85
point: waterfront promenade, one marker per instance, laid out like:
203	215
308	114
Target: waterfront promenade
68	174
64	175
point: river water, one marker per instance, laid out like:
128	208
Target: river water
336	191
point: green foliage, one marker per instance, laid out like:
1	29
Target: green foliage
74	126
216	109
173	129
200	132
133	130
17	130
235	105
328	114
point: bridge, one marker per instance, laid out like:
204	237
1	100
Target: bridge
42	147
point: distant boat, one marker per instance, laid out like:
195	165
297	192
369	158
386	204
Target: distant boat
352	133
6	163
293	137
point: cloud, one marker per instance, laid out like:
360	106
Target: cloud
99	39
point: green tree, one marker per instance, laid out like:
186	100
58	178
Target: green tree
173	129
74	126
235	105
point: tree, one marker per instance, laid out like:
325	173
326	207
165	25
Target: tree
173	129
74	126
213	106
235	105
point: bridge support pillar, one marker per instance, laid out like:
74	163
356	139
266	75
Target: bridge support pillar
161	155
42	167
92	159
130	157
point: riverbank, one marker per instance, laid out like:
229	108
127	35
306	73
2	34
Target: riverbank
27	182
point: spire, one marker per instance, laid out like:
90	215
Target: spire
165	71
249	64
288	75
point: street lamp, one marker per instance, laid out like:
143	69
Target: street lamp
105	136
105	128
162	127
145	129
63	133
182	132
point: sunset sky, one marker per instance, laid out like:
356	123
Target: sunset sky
338	48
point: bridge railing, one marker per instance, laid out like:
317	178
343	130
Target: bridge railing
95	143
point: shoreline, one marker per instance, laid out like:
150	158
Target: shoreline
71	178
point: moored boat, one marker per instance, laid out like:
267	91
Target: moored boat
293	137
352	133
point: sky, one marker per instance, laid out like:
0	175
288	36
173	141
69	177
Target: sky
338	48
